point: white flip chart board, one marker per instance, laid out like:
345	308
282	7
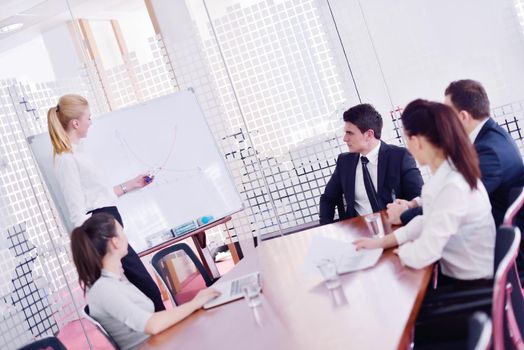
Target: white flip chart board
168	136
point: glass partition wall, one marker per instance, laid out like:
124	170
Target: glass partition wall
105	51
273	78
39	289
284	72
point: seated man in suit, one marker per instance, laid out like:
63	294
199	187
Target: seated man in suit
500	162
372	175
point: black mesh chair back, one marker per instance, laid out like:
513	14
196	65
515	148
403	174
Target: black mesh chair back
45	343
159	257
98	326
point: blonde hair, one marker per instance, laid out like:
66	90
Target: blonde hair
69	107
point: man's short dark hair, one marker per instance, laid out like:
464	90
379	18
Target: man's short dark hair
365	117
470	96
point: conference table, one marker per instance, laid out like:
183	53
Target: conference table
373	308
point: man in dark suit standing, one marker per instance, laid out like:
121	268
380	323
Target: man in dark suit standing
372	175
500	162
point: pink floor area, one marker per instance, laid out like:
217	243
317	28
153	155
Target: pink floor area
193	284
72	335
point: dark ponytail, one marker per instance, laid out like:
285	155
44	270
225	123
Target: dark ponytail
441	127
89	246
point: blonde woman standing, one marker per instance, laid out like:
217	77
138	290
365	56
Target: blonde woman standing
83	187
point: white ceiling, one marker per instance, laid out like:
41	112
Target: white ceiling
41	15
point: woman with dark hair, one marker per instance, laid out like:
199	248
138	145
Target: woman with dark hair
98	247
457	227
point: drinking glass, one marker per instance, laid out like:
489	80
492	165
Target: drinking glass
251	293
328	269
374	221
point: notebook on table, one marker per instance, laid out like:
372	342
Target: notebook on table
232	290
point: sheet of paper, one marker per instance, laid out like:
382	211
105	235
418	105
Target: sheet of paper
343	253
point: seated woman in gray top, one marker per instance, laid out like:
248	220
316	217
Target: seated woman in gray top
124	311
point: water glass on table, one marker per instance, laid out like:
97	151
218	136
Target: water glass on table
251	292
374	222
328	269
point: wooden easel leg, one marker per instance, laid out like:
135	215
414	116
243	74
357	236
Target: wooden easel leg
236	252
234	247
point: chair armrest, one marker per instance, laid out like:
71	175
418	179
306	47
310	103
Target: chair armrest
486	292
450	310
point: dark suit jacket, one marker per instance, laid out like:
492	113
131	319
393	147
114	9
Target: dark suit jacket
397	171
500	165
501	169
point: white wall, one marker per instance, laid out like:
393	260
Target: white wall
424	45
137	29
62	52
106	43
174	20
29	61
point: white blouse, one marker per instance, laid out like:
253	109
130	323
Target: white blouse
121	308
456	228
81	184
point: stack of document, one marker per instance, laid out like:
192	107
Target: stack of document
345	255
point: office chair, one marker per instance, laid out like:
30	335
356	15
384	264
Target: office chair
87	316
480	331
506	302
508	297
46	343
159	257
515	210
515	217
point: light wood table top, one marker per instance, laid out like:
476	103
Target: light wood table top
373	309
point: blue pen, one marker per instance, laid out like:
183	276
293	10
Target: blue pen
151	176
393	195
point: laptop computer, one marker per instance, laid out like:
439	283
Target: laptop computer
232	290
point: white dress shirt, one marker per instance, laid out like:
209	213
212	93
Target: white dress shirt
362	204
81	184
456	228
475	132
121	308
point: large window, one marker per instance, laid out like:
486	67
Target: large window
273	78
